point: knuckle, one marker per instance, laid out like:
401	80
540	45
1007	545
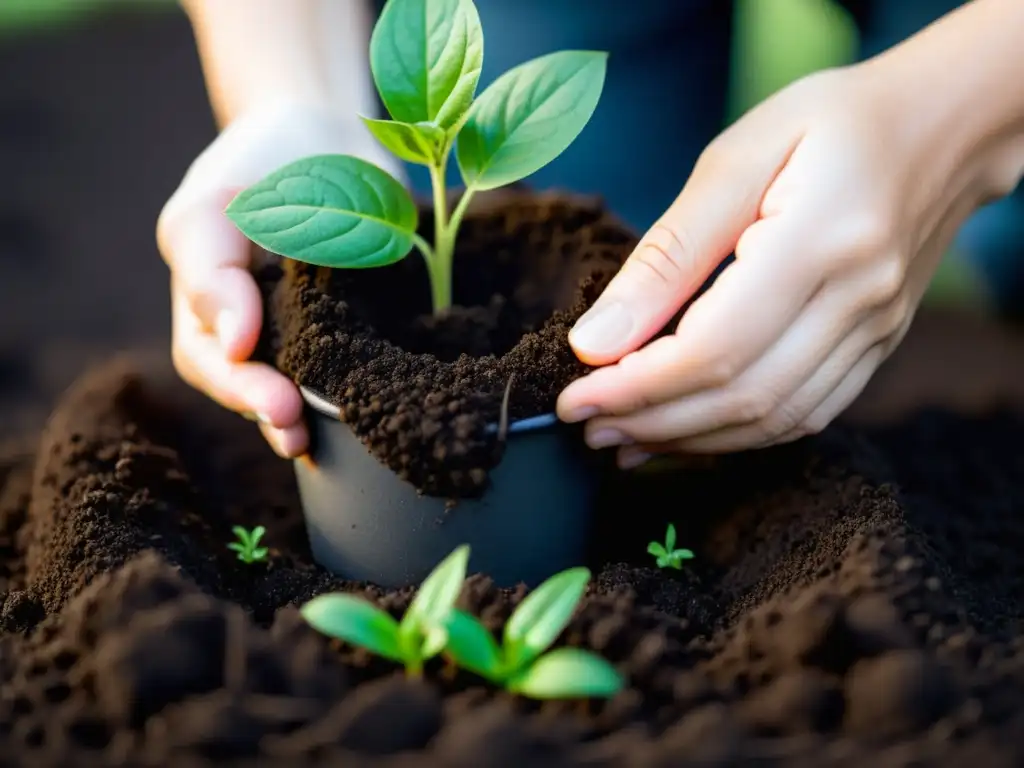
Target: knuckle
752	406
889	279
894	316
862	239
720	371
665	255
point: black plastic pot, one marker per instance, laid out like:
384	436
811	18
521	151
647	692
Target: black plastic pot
367	524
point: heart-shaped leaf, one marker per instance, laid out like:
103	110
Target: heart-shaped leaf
355	621
542	615
529	116
416	143
472	646
435	599
331	210
567	673
426	56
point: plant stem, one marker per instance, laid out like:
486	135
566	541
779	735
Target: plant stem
439	267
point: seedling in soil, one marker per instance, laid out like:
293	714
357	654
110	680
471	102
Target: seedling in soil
425	56
520	663
667	555
420	635
248	544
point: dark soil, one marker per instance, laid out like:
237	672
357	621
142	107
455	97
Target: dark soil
856	597
422	391
855	600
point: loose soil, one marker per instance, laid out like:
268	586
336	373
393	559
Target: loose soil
421	391
856	597
855	601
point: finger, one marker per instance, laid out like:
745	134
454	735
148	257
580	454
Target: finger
719	201
839	399
245	387
209	258
768	392
746	311
289	443
844	369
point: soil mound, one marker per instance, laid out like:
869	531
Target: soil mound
855	598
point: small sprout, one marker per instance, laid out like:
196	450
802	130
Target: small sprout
667	555
247	546
520	664
426	57
419	636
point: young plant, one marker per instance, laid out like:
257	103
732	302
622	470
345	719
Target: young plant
666	554
425	56
520	663
248	548
419	636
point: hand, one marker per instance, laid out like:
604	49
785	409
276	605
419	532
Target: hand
216	305
838	196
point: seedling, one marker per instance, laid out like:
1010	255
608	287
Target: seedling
520	664
248	548
420	635
425	56
667	555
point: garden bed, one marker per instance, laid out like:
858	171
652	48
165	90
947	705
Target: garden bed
855	597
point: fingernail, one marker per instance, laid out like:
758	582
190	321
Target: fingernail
581	414
603	327
603	438
631	458
226	327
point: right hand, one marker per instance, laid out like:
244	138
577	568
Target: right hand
216	305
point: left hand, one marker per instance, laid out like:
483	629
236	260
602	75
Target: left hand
839	196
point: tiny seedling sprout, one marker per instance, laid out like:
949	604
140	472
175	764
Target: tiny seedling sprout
522	663
425	58
419	636
248	544
666	554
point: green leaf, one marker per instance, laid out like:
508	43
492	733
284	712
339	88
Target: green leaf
529	116
240	532
331	210
426	56
654	548
472	646
437	595
542	615
260	553
416	143
568	673
670	538
236	547
434	642
355	621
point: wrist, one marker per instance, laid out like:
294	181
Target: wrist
958	85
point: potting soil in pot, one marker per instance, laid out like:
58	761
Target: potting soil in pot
422	392
856	600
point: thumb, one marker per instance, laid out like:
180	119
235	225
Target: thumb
674	258
209	259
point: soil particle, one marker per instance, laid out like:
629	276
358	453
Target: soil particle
854	601
421	391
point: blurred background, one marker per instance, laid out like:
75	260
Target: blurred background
102	107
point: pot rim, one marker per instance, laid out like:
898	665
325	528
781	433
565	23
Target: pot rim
532	424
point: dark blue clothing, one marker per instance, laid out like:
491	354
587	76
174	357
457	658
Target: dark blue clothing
665	99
